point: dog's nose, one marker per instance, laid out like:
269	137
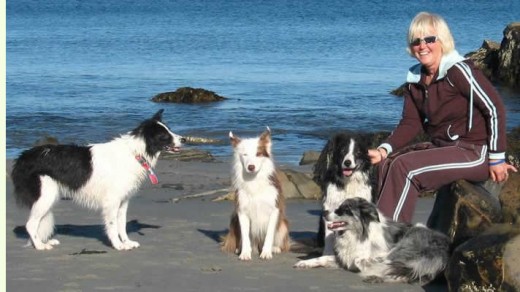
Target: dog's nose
347	163
183	140
251	167
326	213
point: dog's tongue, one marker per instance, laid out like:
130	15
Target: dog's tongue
334	225
347	172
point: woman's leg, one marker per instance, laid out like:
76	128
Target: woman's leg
408	174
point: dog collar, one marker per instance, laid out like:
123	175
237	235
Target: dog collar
151	174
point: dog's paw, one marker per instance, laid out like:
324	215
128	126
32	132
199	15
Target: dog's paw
43	246
266	255
277	249
130	244
304	264
245	256
53	242
373	280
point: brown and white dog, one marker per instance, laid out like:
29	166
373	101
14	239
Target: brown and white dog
259	217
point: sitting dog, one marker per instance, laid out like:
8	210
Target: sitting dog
259	216
343	171
383	250
99	176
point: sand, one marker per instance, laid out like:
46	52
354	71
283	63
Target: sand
179	244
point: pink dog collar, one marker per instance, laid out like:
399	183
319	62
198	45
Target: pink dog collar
151	175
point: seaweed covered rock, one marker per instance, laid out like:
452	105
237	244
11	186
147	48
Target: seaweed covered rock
487	262
188	95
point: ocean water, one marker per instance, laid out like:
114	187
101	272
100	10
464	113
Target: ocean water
85	71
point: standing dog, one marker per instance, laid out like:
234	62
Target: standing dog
383	250
342	172
98	176
259	216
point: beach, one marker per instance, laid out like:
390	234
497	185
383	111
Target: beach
178	223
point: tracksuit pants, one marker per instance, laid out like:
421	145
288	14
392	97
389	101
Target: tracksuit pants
426	167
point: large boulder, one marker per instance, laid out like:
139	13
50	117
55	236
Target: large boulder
188	95
501	63
487	262
509	56
463	210
482	220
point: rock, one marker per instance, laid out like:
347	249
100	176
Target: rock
501	63
188	95
487	262
509	56
510	199
201	140
188	155
399	91
307	188
309	157
486	58
47	140
513	147
463	210
289	190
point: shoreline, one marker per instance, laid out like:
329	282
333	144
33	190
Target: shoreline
179	244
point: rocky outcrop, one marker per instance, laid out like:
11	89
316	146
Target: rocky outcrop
487	262
486	58
501	63
482	220
188	155
509	56
188	95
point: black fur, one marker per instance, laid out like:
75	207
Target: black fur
156	137
71	165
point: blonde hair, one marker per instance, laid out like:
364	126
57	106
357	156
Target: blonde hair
422	24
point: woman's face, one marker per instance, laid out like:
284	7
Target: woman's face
427	50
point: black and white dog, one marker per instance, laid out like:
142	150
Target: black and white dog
99	176
383	250
343	171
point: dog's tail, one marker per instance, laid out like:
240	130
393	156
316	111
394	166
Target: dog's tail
231	241
422	270
27	185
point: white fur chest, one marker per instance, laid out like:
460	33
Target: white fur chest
257	201
357	186
350	251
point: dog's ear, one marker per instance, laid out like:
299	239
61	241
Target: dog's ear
368	211
265	142
266	135
323	163
158	115
234	139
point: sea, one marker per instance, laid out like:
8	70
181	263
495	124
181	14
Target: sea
84	71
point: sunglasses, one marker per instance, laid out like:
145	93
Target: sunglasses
427	40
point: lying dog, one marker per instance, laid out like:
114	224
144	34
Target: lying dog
98	176
383	250
259	216
343	171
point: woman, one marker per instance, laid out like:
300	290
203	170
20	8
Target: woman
452	101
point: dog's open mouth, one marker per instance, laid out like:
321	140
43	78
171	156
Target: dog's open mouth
338	225
348	171
172	149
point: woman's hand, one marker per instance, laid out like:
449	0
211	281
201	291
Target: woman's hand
377	155
499	172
